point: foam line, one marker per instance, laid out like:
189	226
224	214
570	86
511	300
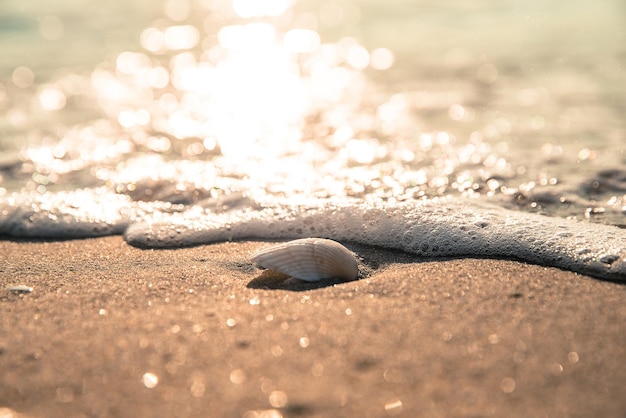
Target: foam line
81	213
448	228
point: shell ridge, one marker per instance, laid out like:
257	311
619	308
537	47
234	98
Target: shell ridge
309	259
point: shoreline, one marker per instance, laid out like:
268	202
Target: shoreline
113	330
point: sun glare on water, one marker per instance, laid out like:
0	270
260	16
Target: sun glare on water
244	97
263	101
249	88
250	98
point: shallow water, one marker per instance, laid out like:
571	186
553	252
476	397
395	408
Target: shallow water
135	112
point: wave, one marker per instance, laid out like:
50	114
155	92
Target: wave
442	227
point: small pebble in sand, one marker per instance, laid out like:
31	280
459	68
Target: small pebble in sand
150	380
20	288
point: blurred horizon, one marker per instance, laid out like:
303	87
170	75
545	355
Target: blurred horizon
422	34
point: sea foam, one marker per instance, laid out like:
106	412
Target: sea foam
443	227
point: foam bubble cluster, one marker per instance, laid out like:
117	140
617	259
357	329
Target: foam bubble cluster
440	227
77	214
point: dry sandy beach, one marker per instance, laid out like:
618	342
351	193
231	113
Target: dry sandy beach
114	331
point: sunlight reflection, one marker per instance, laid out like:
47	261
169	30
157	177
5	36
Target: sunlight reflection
23	77
246	37
258	104
52	98
153	40
260	97
357	57
248	95
301	41
177	10
181	37
381	59
258	8
257	95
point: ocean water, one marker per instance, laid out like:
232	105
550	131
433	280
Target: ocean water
184	122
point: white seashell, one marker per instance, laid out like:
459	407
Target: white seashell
309	259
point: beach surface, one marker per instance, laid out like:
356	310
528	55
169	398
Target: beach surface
110	330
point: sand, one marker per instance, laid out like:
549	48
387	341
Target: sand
114	331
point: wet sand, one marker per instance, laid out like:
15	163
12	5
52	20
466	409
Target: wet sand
110	330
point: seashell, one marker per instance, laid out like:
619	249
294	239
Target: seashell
309	259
